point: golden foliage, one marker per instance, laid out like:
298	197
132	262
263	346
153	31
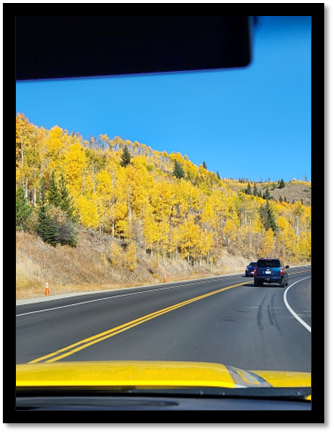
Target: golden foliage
146	207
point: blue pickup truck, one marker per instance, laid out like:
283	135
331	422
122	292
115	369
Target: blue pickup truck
269	270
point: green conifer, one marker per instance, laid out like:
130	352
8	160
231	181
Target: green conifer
266	194
268	217
23	210
126	157
53	193
66	203
281	184
178	170
46	228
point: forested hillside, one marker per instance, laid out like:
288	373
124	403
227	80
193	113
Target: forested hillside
147	201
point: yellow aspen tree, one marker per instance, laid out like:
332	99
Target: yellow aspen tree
54	148
230	231
113	196
104	188
188	197
132	183
123	228
162	200
87	212
130	258
205	245
298	210
208	216
163	241
268	244
28	156
151	231
304	246
74	166
257	234
286	239
116	255
190	170
174	241
189	239
305	220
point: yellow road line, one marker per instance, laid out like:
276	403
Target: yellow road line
299	272
80	345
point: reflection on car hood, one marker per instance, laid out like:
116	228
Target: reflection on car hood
160	374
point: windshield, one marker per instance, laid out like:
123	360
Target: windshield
268	263
138	203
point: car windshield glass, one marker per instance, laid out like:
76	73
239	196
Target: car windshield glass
139	200
268	263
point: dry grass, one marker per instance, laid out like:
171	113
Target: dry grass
88	268
293	191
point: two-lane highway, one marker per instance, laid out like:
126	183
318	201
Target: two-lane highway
221	319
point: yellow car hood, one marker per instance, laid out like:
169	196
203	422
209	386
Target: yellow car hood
158	374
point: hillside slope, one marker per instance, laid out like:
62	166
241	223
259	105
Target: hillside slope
88	267
292	192
140	214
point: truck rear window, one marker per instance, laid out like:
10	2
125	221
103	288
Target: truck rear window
268	264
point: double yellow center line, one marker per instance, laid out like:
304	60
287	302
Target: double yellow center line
80	345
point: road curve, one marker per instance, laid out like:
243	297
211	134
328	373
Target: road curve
221	319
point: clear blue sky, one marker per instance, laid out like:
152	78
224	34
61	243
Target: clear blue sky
251	123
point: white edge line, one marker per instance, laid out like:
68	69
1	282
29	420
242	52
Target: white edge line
127	294
291	310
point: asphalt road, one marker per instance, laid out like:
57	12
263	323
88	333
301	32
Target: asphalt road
221	319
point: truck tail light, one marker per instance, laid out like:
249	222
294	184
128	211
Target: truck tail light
281	271
254	271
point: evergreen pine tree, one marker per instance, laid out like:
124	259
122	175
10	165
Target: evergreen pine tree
66	203
266	194
218	175
23	209
281	184
255	190
204	165
46	228
268	217
126	157
249	189
53	193
178	170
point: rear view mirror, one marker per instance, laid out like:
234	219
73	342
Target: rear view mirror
65	46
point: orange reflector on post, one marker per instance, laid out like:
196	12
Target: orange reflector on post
47	289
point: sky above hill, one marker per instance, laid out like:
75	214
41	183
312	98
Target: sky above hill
252	123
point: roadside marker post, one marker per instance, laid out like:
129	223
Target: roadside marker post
165	279
47	289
